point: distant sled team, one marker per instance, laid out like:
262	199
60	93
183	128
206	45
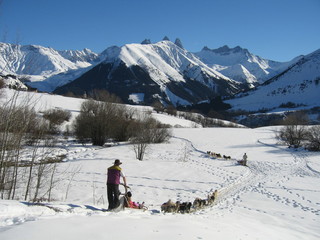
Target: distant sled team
217	155
242	162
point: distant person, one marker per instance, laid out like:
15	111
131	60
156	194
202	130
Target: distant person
113	181
244	159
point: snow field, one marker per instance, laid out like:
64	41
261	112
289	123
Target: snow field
275	197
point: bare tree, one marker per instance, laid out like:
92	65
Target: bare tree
139	149
73	173
18	124
147	131
52	181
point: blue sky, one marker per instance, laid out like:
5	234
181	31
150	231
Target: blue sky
274	29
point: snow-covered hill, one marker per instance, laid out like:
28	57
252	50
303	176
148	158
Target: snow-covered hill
13	82
275	197
241	65
161	71
299	84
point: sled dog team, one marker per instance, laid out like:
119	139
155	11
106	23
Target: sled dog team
187	207
218	155
243	161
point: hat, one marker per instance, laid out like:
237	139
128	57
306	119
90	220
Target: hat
117	162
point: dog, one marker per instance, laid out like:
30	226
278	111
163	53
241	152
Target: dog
199	203
212	197
170	207
185	207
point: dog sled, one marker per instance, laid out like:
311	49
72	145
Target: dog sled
125	201
242	162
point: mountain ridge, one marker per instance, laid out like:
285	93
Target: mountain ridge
181	77
298	85
239	64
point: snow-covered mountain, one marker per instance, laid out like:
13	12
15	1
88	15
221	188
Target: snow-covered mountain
241	65
299	84
38	63
162	71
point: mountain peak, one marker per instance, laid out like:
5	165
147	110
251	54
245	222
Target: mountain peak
146	41
178	43
166	38
205	48
226	50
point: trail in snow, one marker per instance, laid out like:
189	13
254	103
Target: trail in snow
256	177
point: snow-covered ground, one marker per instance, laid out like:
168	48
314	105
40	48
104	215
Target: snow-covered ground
275	197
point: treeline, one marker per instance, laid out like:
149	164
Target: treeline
209	114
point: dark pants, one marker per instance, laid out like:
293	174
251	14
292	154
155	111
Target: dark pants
113	195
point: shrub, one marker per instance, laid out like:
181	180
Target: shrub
296	118
2	84
293	135
56	117
98	121
313	138
288	105
158	106
171	110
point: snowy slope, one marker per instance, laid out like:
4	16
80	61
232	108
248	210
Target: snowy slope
13	82
37	62
275	197
241	65
300	84
171	61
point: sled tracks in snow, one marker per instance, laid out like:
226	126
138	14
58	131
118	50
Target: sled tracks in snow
258	174
248	178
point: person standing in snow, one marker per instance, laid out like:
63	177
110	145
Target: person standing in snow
244	159
113	181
